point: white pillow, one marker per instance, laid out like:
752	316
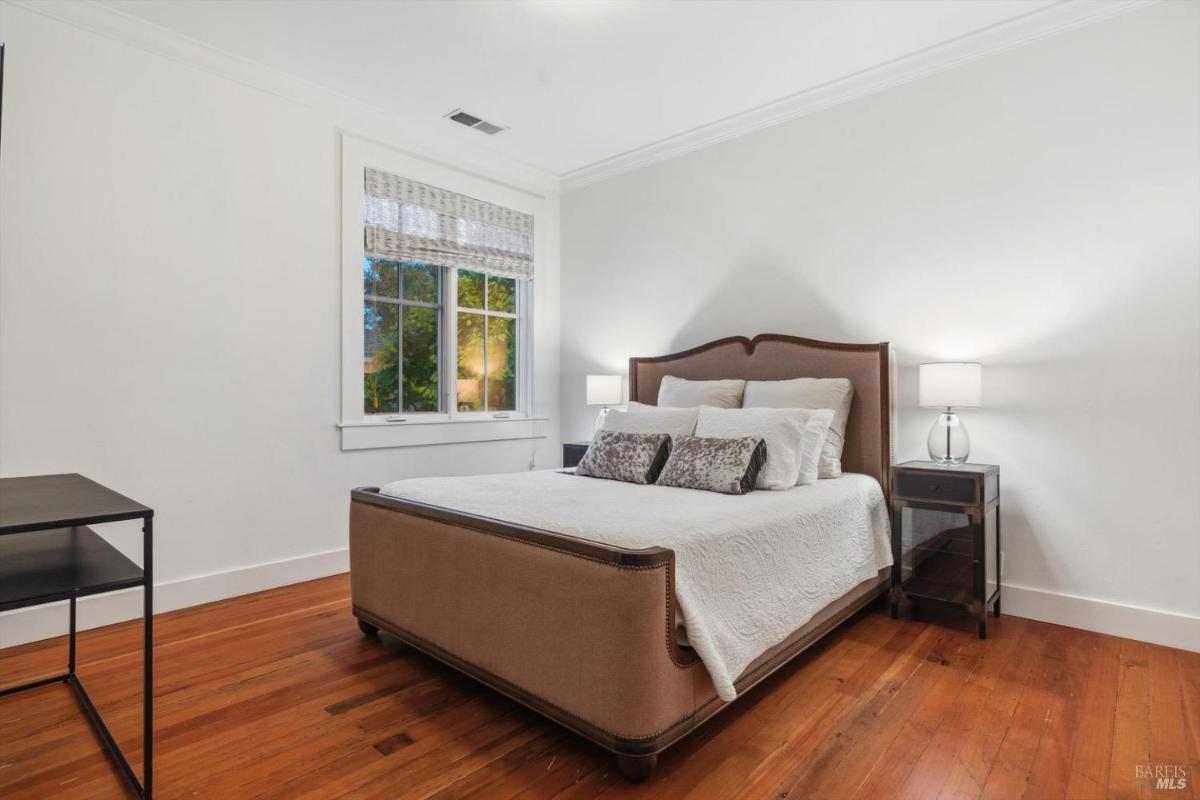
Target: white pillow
781	428
681	393
833	393
811	443
652	419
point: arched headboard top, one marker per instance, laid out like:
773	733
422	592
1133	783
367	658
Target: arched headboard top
776	357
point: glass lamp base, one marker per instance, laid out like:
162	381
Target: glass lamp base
948	440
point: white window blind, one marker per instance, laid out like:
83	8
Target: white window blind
408	221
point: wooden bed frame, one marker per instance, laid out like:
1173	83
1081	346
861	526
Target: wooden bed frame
583	632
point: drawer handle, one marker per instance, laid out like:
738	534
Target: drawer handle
933	487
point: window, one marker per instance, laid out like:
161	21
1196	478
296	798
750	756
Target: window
402	324
437	302
405	323
444	302
487	342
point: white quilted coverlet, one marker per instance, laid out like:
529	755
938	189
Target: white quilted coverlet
750	569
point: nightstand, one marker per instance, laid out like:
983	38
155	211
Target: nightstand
573	453
946	536
50	555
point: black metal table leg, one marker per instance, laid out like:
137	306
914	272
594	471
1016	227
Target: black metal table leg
106	736
142	789
148	658
71	642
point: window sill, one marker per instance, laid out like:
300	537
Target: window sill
372	435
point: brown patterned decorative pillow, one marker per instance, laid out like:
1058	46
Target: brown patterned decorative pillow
729	466
629	457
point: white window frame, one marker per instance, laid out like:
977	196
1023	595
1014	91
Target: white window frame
363	431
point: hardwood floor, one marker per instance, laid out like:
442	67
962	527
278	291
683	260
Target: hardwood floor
278	695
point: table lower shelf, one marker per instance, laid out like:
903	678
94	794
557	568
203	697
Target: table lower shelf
938	591
48	566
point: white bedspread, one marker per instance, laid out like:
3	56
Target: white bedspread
750	569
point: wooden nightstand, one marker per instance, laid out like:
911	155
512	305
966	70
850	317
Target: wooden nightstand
573	453
946	536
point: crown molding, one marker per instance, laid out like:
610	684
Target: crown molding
1031	27
352	115
371	121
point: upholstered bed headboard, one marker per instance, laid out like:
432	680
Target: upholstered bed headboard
774	357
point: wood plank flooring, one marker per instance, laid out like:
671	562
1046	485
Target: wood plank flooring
277	695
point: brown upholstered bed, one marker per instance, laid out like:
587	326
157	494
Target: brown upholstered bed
584	632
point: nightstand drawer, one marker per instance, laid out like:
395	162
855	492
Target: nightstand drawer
573	453
937	487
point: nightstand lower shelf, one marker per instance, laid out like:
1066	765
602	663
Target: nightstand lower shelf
937	591
60	564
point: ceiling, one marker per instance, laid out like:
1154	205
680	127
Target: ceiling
575	81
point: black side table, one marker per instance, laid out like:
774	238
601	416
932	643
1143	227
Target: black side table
48	554
946	536
573	453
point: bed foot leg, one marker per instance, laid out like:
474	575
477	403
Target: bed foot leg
636	768
369	630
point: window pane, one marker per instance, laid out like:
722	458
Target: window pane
470	361
502	294
381	278
470	289
420	357
501	364
381	333
420	283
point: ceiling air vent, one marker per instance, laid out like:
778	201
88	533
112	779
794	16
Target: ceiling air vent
472	121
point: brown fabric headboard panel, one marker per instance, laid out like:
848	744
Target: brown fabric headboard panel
774	357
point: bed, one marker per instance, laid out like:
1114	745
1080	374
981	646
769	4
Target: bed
633	614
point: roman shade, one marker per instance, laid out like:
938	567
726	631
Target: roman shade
411	221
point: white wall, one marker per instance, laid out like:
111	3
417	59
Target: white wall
169	305
1037	210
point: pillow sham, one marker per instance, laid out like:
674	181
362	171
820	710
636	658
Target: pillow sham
628	457
781	428
816	432
682	393
728	466
652	419
833	393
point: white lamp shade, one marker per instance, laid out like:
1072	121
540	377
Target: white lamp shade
604	390
955	384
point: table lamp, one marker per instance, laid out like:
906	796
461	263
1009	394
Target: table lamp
605	391
950	385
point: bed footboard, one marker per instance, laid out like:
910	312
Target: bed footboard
579	631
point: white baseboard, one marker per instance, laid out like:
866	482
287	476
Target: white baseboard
1089	614
45	622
